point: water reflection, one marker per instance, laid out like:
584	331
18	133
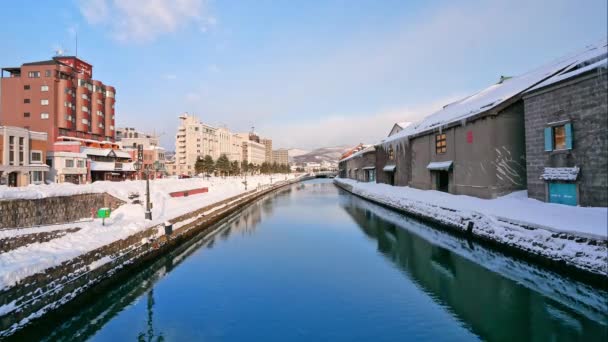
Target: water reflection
280	257
505	299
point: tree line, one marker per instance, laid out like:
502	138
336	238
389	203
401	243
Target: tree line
224	167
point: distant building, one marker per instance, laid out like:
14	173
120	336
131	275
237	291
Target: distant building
398	127
253	152
22	156
153	155
195	140
360	165
567	135
280	156
59	97
267	149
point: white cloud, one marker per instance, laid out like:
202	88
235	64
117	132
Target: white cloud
144	20
338	130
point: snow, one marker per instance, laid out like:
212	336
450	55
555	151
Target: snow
560	173
366	149
593	61
513	220
389	168
444	165
128	219
517	207
498	93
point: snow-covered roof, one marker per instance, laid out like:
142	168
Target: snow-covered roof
389	168
403	124
66	154
496	94
104	152
111	166
367	149
595	59
369	168
444	165
560	173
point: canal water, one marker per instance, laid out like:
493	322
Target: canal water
314	263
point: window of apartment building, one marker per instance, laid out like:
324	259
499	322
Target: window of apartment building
44	102
47	73
21	146
85	121
80	163
36	177
85	109
33	74
36	157
44	116
26	100
558	137
99	101
69	163
440	143
11	150
26	87
49	162
44	88
26	115
84	96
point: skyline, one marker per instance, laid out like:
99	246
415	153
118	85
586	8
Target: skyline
307	75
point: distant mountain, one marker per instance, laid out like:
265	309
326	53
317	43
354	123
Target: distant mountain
296	152
328	154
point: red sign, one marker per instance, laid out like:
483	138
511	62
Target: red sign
80	66
470	137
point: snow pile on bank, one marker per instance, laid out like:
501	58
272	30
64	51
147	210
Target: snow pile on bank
512	220
125	221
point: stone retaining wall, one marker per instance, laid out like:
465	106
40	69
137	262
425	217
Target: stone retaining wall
43	292
19	213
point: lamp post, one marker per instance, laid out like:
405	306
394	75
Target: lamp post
148	213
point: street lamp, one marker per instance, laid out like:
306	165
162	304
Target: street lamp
138	167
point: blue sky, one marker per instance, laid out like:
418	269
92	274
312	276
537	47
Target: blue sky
305	73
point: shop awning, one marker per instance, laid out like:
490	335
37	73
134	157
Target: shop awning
440	166
389	168
369	168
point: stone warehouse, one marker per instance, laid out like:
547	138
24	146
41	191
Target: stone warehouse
566	135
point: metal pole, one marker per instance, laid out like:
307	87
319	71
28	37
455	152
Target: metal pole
148	212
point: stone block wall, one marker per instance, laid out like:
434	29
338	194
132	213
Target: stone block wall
52	210
582	102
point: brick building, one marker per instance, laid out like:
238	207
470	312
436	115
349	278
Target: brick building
566	120
60	97
360	165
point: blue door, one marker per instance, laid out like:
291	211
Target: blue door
562	193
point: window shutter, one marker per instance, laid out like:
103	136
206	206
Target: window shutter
568	128
548	139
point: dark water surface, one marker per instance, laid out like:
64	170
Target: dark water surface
314	263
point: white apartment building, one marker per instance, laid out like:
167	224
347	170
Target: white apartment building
195	139
253	152
280	156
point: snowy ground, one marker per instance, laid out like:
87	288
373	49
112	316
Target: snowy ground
126	220
515	207
535	227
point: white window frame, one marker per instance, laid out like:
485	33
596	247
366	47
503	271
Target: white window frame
44	102
32	161
44	116
44	88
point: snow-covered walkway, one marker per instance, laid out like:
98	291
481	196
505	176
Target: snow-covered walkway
515	207
128	219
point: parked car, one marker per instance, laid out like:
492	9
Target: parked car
183	176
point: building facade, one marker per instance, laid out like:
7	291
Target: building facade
566	136
254	152
267	149
153	155
280	156
360	166
58	97
22	156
